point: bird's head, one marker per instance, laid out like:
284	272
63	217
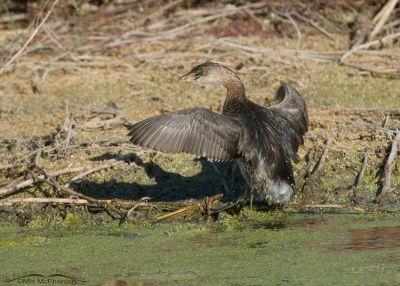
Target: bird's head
210	72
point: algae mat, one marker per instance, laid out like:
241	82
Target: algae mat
260	249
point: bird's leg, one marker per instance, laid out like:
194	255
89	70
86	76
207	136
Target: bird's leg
224	183
233	207
247	179
244	173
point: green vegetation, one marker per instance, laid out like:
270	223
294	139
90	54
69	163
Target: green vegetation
283	249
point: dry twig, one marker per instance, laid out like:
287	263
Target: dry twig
110	164
17	185
360	175
179	212
387	172
10	202
68	191
316	26
322	161
32	36
381	17
142	202
372	44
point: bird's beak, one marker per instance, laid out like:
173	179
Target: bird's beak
184	77
187	77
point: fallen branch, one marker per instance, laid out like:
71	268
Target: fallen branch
318	168
142	202
22	161
109	165
360	175
387	172
174	32
388	71
296	28
17	185
381	17
316	26
68	191
322	161
97	123
117	202
188	209
3	68
372	44
10	202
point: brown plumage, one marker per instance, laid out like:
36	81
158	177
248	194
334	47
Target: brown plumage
264	140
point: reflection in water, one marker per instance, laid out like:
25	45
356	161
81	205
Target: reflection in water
375	238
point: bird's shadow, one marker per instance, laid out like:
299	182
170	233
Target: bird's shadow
167	186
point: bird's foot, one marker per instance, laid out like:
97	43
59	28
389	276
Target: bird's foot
230	208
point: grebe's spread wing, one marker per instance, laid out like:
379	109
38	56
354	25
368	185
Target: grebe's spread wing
198	131
293	106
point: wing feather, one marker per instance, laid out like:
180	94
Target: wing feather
294	107
198	131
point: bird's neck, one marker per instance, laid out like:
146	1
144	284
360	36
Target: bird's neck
235	95
234	89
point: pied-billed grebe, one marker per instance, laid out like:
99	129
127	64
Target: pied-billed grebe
264	140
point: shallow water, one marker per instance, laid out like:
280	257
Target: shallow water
290	249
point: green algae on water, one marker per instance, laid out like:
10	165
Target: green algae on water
254	248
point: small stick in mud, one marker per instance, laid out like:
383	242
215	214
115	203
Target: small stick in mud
179	212
107	207
143	201
386	121
319	167
48	179
387	171
360	175
69	132
18	184
322	161
97	123
315	25
10	202
109	165
309	158
376	43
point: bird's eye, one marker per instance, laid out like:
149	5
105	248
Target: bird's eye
198	73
